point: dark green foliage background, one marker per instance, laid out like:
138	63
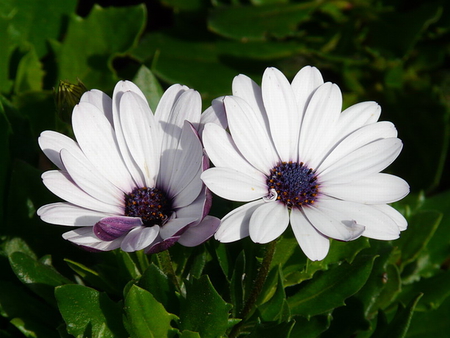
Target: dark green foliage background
394	52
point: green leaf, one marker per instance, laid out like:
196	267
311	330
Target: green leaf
127	266
398	327
160	286
189	334
30	74
328	289
272	309
270	330
203	310
259	22
37	276
310	328
89	313
149	85
238	291
19	245
421	228
91	43
435	290
145	316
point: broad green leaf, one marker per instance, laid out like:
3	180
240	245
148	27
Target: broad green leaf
329	289
29	312
270	330
19	245
259	22
91	43
399	325
421	228
160	286
89	313
149	85
145	316
30	74
39	277
435	290
203	310
270	310
222	258
432	323
189	334
310	328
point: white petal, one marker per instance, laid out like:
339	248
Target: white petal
234	185
365	161
198	234
89	180
394	214
250	134
214	114
102	101
141	134
175	225
331	222
319	123
121	88
139	238
51	144
85	237
179	166
223	152
357	116
170	96
377	224
304	84
375	189
284	117
357	139
235	225
97	139
189	193
69	214
268	222
59	184
313	243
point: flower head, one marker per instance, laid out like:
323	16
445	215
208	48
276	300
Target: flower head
131	180
296	158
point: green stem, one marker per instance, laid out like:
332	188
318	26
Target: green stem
257	288
165	262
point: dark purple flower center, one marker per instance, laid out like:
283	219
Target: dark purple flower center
295	184
150	204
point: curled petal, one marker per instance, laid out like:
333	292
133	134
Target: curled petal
111	228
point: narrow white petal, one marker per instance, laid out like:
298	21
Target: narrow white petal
268	222
313	243
375	189
394	214
179	166
358	139
235	225
234	185
59	184
167	101
282	112
189	192
222	150
332	222
376	223
51	144
96	138
248	90
139	238
141	134
250	134
102	101
367	160
319	123
69	214
121	88
214	114
90	180
85	237
304	84
357	116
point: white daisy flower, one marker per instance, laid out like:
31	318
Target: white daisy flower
296	158
132	178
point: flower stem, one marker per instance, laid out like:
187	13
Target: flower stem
165	262
257	288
